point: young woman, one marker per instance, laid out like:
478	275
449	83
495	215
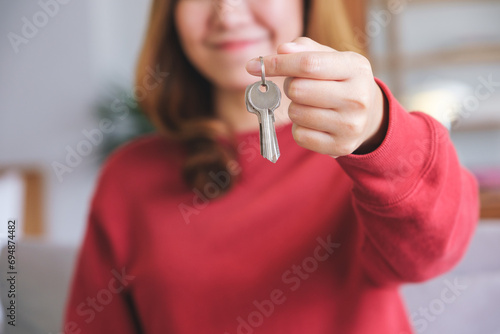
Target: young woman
192	231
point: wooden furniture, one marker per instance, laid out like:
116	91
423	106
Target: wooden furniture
32	202
490	204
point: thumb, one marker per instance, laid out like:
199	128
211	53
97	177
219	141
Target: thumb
303	44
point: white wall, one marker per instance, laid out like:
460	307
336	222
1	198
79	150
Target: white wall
48	90
423	28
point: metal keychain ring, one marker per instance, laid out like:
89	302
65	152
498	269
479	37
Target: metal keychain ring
263	71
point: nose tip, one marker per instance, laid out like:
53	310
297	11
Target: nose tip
227	12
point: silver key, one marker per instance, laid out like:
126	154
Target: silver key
263	105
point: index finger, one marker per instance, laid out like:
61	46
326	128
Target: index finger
321	65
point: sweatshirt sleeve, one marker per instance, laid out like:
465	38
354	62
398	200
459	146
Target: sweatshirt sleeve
99	299
417	206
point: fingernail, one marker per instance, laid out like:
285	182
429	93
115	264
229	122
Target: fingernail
253	65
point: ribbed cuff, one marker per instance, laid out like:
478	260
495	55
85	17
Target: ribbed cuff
391	172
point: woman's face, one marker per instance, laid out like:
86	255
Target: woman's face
220	36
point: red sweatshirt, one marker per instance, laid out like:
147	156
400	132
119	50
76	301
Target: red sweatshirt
309	245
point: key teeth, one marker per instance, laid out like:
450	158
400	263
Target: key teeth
272	152
273	158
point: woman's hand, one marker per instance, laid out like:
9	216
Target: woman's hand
337	107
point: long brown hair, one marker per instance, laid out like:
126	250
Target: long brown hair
182	106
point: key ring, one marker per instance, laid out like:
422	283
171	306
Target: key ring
262	71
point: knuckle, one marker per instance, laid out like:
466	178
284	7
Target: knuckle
299	136
349	126
359	99
359	62
355	127
302	40
293	112
294	89
351	57
274	65
309	64
350	54
346	148
327	147
365	67
363	101
355	103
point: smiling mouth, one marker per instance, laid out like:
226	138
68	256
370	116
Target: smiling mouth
235	45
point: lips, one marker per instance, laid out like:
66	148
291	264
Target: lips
235	44
235	41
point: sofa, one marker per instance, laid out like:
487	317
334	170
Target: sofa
465	300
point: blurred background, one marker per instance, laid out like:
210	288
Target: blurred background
67	100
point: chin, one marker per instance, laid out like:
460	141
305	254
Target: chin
235	84
232	77
226	69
